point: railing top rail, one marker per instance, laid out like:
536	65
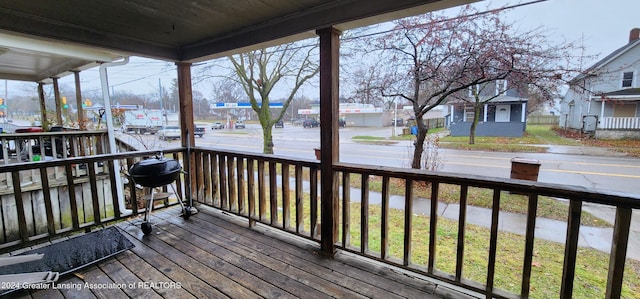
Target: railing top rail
273	158
521	186
62	133
87	159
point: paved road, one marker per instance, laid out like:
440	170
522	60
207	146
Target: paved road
569	165
580	166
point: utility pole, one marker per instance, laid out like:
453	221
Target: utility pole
164	113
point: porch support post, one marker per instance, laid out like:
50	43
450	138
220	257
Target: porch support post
56	92
524	112
43	107
185	96
602	110
486	111
81	125
329	111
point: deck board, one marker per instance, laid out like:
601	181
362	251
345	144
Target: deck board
214	255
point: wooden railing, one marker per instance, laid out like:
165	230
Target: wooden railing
23	147
279	192
44	199
389	214
619	123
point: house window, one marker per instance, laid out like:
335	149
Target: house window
468	114
627	79
501	87
473	89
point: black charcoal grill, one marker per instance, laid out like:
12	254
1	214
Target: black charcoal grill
153	173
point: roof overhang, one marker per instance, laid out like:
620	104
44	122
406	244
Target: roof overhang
41	39
628	94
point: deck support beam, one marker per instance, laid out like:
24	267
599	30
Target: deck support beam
329	92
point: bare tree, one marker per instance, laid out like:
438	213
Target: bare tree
433	58
260	71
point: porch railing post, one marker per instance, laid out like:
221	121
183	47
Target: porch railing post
618	252
329	66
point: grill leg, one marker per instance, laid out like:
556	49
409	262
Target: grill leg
149	207
186	211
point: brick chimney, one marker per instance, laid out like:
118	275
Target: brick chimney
634	34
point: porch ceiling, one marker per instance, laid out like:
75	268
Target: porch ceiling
40	39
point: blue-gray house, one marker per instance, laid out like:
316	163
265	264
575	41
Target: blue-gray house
503	112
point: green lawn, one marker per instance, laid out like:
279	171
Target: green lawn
591	266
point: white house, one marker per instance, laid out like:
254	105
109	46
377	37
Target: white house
604	100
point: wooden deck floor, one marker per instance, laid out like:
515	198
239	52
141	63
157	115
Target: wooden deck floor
212	255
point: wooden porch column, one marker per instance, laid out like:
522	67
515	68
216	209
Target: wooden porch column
43	107
486	112
185	95
329	112
81	125
56	92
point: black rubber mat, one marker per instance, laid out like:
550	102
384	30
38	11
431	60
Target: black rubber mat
77	252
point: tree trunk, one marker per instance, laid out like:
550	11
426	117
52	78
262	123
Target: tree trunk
416	163
474	123
267	138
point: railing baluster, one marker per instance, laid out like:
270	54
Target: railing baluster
231	181
462	220
286	209
71	189
251	191
313	177
618	254
364	214
17	193
493	242
273	193
242	209
199	167
571	248
215	181
114	191
183	178
222	174
384	225
91	169
206	180
133	195
46	194
299	200
433	224
532	212
408	221
262	209
346	209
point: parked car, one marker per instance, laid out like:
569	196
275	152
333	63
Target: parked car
199	130
397	122
239	124
310	123
279	124
217	126
169	132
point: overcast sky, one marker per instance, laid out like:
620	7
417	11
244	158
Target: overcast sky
604	25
